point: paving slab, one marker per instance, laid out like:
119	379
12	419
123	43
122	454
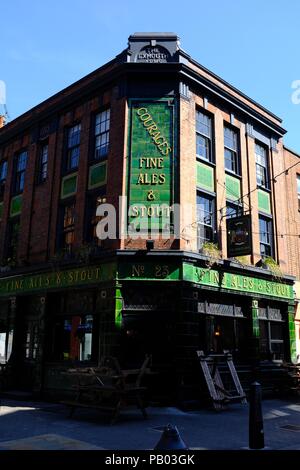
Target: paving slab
47	442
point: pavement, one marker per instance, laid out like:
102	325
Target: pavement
46	426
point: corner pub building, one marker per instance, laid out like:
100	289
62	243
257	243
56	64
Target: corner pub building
68	298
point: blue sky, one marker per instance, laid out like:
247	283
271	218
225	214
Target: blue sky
254	45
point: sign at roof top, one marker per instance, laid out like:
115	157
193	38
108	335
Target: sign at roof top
156	54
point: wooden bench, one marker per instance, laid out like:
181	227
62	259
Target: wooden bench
107	388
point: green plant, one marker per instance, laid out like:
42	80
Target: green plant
211	250
271	264
244	260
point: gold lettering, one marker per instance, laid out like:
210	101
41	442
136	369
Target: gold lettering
154	178
158	140
166	151
83	275
155	135
98	271
141	179
152	129
141	111
138	270
233	281
90	275
134	211
162	178
143	118
160	162
148	122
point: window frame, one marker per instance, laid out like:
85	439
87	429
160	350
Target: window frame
62	317
207	138
270	234
269	339
40	178
234	152
19	175
61	246
71	147
212	227
265	169
95	135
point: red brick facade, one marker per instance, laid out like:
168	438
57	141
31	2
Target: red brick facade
108	87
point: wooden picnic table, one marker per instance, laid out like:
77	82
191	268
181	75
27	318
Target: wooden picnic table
108	389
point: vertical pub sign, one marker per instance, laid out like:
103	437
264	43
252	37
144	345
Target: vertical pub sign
151	164
239	236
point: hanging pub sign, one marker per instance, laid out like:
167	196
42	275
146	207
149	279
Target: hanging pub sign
239	236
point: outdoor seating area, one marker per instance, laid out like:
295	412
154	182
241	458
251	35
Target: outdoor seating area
109	388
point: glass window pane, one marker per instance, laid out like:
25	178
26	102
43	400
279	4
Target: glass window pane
230	160
203	149
203	124
102	125
298	184
205	219
73	338
230	138
74	135
261	175
260	155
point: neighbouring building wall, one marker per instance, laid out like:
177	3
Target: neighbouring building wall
291	213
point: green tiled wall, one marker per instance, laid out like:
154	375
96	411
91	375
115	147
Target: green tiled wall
69	185
292	332
205	176
233	187
16	205
264	203
98	175
143	146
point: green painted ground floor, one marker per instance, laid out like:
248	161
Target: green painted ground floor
168	304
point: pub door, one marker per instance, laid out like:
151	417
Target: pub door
27	351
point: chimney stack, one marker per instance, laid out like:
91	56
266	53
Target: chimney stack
2	121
